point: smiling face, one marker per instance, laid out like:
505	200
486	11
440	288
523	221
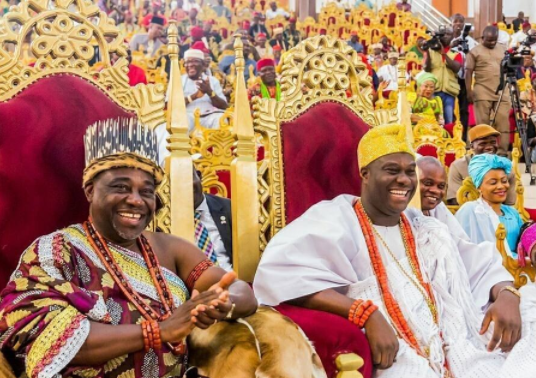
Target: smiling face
389	183
495	186
194	67
267	75
486	145
122	203
432	183
427	89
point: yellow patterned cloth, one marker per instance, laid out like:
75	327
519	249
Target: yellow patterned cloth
383	140
58	288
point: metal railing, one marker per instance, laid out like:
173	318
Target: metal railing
430	16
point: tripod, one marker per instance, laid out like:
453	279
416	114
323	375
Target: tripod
521	124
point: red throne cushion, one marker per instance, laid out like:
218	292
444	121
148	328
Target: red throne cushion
427	150
331	335
42	159
319	151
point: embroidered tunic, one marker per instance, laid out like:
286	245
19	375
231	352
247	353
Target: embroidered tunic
59	286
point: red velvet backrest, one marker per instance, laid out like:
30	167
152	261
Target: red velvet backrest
42	159
427	150
319	150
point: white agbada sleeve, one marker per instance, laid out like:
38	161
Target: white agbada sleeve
482	261
315	252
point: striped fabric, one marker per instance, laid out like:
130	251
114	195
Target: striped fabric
203	240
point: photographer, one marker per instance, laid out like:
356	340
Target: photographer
462	43
484	61
445	65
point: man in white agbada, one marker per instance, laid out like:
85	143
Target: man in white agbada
322	260
202	92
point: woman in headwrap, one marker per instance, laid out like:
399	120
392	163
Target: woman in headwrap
480	219
424	104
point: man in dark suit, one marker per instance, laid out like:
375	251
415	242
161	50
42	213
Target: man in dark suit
214	213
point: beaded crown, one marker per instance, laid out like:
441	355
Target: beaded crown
383	140
120	143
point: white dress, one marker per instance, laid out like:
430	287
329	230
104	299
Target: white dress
325	248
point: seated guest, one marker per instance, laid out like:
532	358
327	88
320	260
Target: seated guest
263	50
151	41
202	92
196	35
528	66
136	75
483	139
209	34
157	10
276	50
481	218
228	60
114	298
389	72
432	183
177	13
256	27
424	104
354	42
365	259
521	35
375	51
222	11
274	11
269	86
292	35
417	49
278	40
213	226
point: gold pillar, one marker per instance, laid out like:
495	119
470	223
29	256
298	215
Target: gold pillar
404	118
486	13
244	194
179	163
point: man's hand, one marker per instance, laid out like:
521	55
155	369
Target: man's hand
181	322
382	339
204	86
204	316
533	254
470	97
505	315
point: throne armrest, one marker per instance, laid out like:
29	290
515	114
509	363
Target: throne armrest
332	336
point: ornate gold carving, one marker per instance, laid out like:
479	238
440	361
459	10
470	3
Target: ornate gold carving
63	36
467	192
520	190
215	148
319	69
521	275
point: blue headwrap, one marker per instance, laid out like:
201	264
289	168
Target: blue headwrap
482	164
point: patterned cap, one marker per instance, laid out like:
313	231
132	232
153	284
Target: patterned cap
121	143
381	141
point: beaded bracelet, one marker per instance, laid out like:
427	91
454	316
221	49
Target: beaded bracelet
146	343
361	311
151	335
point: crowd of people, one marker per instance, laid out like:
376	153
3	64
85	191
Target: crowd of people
106	298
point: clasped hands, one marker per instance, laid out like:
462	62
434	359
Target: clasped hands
202	310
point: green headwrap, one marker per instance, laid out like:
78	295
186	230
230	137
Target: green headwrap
424	77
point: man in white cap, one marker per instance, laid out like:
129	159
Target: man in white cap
389	72
202	92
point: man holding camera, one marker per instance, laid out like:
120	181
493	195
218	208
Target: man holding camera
445	65
484	61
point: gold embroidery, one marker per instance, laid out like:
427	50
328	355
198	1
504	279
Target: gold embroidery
37	271
127	374
21	284
48	337
45	302
87	373
29	255
107	281
39	286
51	315
13	317
115	363
64	288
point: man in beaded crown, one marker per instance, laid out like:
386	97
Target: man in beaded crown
107	298
398	275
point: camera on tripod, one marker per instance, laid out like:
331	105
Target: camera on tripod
435	42
513	58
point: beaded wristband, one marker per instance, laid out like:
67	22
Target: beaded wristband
146	344
353	309
361	311
157	339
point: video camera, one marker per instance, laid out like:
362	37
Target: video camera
464	43
435	42
513	58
